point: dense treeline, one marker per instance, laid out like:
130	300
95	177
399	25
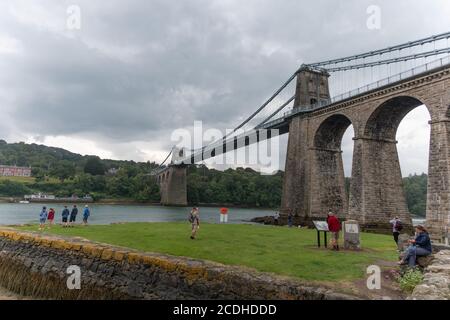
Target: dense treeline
244	187
62	173
62	164
416	193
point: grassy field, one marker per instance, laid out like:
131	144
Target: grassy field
284	251
18	179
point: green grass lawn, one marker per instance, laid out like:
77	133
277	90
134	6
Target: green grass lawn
25	180
280	250
29	180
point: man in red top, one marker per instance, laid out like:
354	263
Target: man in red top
334	226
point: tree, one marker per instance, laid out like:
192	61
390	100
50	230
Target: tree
94	166
63	170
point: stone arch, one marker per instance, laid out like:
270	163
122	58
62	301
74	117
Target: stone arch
377	194
383	123
327	168
330	132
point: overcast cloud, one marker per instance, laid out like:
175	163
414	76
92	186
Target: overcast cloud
137	70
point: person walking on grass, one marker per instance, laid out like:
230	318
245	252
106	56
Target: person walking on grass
51	217
194	219
335	227
419	247
86	215
73	215
397	227
65	217
42	218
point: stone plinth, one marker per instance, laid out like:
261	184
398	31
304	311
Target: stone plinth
352	239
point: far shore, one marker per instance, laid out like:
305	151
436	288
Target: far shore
131	202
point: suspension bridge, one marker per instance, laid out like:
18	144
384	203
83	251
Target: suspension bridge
372	91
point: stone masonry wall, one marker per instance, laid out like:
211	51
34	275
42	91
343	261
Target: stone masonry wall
173	186
35	265
436	284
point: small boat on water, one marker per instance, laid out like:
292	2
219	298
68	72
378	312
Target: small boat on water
24	202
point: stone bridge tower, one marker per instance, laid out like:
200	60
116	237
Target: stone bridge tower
312	87
173	182
314	180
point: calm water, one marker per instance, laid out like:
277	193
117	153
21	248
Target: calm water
12	213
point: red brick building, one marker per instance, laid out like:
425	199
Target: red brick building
13	171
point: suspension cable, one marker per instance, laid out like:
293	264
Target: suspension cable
410	44
264	105
275	112
392	60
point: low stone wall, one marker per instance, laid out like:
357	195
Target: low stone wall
436	284
35	265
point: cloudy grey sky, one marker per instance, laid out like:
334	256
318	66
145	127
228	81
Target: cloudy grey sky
137	70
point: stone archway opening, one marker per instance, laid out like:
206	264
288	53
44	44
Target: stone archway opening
380	178
330	192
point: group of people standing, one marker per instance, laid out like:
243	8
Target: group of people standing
68	217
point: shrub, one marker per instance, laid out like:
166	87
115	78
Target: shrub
410	279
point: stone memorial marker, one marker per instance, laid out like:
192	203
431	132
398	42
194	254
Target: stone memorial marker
351	235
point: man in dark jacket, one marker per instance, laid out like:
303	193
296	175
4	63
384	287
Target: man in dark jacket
65	217
73	215
420	247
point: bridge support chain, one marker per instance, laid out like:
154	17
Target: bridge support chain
438	198
376	188
173	186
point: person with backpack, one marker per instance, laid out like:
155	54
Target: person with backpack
65	217
397	227
334	226
194	219
43	218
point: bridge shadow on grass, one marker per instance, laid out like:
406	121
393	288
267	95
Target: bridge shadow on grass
279	250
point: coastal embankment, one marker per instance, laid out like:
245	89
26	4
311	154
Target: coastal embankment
38	265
